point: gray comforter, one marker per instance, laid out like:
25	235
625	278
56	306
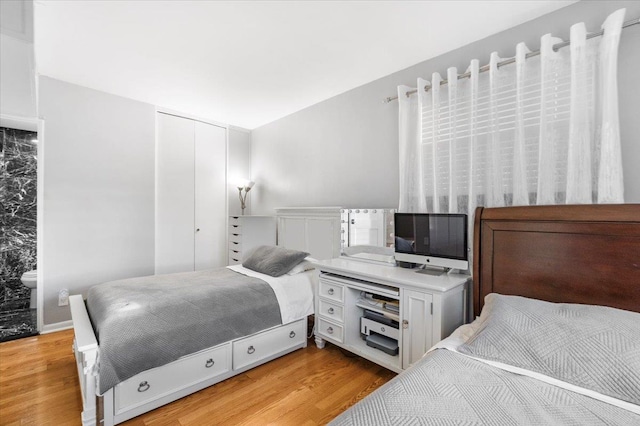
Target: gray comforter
147	322
449	388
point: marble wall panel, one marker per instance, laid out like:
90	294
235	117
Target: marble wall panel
18	195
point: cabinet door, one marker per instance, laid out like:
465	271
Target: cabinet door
417	322
174	194
210	196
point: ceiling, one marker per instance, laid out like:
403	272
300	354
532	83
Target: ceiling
248	63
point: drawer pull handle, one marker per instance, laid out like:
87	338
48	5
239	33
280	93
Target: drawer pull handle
209	363
330	310
292	334
143	386
330	291
330	330
251	350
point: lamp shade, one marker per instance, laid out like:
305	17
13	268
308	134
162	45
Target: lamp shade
243	183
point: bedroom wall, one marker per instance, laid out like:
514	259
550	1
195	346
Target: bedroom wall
239	167
98	190
344	151
17	68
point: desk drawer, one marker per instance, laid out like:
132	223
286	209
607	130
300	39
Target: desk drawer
260	346
330	330
332	291
235	238
235	257
331	310
158	382
235	229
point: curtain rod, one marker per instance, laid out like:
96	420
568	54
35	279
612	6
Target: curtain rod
511	60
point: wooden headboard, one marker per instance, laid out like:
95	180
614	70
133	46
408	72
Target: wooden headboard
573	253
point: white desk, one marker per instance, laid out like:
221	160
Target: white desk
431	307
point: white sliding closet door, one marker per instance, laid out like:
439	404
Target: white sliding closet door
210	196
175	207
191	201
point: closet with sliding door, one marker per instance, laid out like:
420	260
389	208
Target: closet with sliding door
191	200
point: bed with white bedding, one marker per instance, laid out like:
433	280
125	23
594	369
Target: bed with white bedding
143	342
558	340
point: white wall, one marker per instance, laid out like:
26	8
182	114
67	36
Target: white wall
98	208
238	167
344	151
17	75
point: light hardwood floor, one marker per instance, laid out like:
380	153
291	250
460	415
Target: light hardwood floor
39	386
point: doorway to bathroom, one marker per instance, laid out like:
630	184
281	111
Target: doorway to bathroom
18	243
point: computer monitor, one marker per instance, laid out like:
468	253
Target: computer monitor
432	239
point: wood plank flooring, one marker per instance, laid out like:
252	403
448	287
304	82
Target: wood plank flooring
39	386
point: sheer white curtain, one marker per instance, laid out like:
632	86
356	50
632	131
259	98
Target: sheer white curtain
540	130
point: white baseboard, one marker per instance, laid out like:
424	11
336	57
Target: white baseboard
58	326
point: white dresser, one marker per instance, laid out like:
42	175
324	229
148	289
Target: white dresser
247	232
428	309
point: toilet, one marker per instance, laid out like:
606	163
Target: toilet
30	279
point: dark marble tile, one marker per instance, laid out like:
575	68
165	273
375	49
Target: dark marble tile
17	254
14	296
18	196
19	152
19	200
17	323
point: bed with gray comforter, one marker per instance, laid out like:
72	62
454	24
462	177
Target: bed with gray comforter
523	362
146	322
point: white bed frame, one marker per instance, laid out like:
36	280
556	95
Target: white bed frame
298	229
109	409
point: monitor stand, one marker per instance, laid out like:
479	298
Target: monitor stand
433	271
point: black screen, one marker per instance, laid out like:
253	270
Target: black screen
440	235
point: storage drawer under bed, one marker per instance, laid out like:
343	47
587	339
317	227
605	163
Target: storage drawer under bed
158	382
255	348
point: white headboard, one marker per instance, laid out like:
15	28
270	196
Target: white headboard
315	230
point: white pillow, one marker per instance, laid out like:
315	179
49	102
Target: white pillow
305	265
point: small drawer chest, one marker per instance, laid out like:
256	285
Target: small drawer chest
247	232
